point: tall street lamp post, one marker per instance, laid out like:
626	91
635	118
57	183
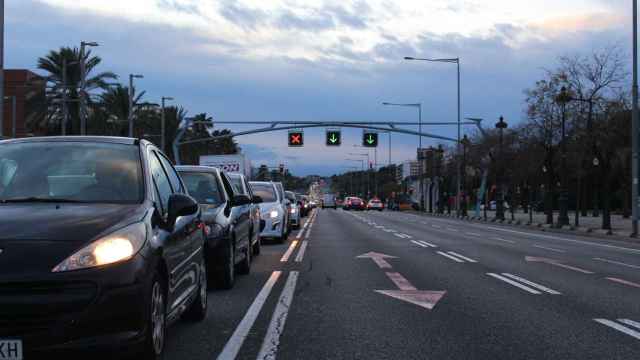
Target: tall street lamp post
419	106
465	145
563	218
635	204
368	170
131	94
163	123
457	62
83	85
500	125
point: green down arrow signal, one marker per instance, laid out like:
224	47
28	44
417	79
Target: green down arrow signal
370	140
333	138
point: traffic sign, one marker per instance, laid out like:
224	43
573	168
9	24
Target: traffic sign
296	138
370	139
334	138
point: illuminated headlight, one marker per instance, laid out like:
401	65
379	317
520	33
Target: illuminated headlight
116	247
273	214
294	210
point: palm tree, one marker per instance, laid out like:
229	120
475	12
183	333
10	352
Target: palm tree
114	103
53	65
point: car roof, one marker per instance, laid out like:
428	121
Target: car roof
261	183
89	139
192	168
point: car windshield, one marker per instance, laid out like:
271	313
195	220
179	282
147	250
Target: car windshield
236	182
203	187
265	191
70	171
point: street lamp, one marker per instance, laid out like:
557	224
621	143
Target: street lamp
457	62
563	99
83	84
368	170
465	144
635	205
163	123
419	106
131	77
501	125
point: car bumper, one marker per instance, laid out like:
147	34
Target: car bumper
82	310
273	228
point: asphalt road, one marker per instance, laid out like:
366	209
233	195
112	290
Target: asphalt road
448	290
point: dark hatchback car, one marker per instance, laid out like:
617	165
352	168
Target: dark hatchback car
100	247
228	223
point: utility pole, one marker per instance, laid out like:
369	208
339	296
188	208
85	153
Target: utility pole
131	94
163	124
65	110
1	68
636	126
83	84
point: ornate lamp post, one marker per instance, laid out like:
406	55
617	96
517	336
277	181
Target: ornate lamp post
563	219
500	125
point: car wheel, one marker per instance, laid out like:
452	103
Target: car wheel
227	277
244	267
153	346
198	309
257	246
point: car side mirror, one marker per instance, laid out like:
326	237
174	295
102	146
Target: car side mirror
257	199
180	205
240	200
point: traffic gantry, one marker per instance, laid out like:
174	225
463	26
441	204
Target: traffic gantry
370	139
296	138
334	138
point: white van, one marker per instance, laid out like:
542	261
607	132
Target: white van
329	201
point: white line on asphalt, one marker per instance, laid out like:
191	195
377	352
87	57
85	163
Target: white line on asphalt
428	244
531	283
303	248
450	257
567	240
452	229
271	341
234	344
549	248
504	240
624	282
473	234
615	325
406	236
462	257
289	251
635	324
398	235
617	263
401	282
418	243
518	285
389	230
436	226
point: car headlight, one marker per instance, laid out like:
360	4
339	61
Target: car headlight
273	214
293	210
115	247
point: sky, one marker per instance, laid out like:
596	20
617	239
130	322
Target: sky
324	60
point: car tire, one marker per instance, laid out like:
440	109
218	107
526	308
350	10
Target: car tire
244	268
156	329
198	309
257	246
227	274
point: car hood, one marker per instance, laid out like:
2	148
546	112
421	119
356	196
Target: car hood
37	237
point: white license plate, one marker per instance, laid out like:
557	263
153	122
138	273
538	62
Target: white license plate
10	349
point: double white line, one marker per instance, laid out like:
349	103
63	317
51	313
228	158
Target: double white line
456	257
424	243
524	284
632	329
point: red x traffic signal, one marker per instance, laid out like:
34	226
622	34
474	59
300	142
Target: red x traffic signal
296	139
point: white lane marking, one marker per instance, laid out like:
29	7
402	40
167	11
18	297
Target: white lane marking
398	235
389	230
401	282
504	240
462	257
271	341
419	243
405	236
452	229
450	257
621	328
234	344
436	226
289	251
379	227
635	324
624	282
567	240
549	248
617	263
473	234
516	284
532	284
424	223
428	244
303	248
303	229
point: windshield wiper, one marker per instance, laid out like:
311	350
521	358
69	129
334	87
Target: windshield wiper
38	200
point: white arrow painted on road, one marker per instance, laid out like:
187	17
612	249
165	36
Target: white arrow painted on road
408	293
378	258
556	263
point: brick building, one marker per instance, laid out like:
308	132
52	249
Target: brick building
24	86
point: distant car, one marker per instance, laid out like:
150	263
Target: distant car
355	203
272	210
294	210
102	248
303	202
241	187
329	201
227	218
375	204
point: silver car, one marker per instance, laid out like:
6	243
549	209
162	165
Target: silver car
272	210
294	210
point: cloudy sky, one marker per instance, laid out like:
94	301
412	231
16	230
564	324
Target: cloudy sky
324	60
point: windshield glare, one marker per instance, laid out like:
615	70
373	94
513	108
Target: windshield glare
266	192
203	187
74	171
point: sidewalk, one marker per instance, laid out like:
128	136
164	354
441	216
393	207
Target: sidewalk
588	224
